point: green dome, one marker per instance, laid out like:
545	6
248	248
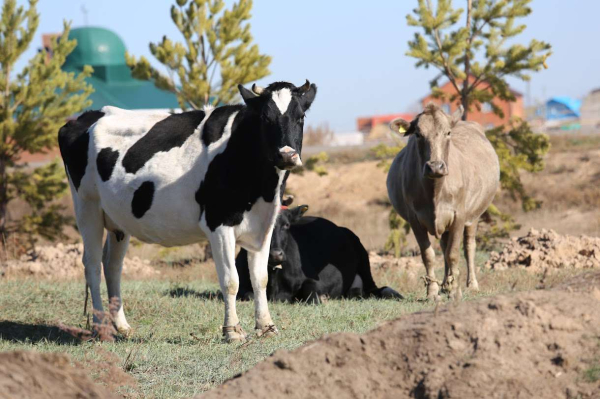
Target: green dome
112	81
95	46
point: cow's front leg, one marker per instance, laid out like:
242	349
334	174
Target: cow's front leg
222	242
257	263
428	256
452	259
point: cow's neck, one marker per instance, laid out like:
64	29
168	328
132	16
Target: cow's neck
240	177
245	144
437	216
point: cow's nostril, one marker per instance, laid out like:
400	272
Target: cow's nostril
277	255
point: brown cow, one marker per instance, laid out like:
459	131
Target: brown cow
441	183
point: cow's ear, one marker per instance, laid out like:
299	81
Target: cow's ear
457	115
299	211
401	126
308	97
246	94
288	200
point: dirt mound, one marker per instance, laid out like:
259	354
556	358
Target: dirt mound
542	344
545	249
63	261
34	375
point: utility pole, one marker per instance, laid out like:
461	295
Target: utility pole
84	11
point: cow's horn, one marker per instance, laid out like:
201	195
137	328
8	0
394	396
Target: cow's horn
257	89
304	88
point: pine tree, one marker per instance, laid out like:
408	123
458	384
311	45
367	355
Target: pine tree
474	56
34	103
215	41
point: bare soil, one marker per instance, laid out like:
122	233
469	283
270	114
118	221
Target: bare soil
539	344
63	261
32	375
547	250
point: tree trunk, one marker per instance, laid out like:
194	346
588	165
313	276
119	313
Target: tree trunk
464	95
3	201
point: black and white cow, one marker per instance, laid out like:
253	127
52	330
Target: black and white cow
311	257
176	179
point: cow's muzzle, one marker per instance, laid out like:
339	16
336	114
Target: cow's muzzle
276	256
288	158
435	169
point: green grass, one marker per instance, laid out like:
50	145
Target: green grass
176	350
592	374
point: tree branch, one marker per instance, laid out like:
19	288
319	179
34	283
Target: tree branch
436	35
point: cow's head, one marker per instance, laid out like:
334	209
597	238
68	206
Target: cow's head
433	130
281	235
281	108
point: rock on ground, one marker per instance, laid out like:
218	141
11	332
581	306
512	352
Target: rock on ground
63	261
545	249
31	375
539	344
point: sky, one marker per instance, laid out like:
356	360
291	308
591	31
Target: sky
354	51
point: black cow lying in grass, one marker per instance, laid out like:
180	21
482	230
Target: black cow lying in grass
311	258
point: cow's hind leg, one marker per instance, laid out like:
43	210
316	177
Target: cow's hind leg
469	249
428	256
90	222
444	245
257	265
222	242
115	249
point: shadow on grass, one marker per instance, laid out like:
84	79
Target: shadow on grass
34	333
180	292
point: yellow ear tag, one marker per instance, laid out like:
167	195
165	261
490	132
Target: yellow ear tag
401	129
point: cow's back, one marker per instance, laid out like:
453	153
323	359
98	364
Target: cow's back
327	248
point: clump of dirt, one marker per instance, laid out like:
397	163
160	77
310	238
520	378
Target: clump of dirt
545	249
539	344
45	375
63	261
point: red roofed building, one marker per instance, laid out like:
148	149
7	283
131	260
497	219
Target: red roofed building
485	116
367	123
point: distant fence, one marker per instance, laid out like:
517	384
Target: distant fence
581	131
366	145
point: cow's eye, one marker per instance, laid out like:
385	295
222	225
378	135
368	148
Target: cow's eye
418	134
448	134
286	226
301	119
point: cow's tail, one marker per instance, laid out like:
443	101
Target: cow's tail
370	289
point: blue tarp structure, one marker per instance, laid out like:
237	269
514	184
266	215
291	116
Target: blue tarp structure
562	108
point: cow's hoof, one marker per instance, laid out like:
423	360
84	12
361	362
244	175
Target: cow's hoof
234	334
448	285
432	291
267	331
125	331
473	285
